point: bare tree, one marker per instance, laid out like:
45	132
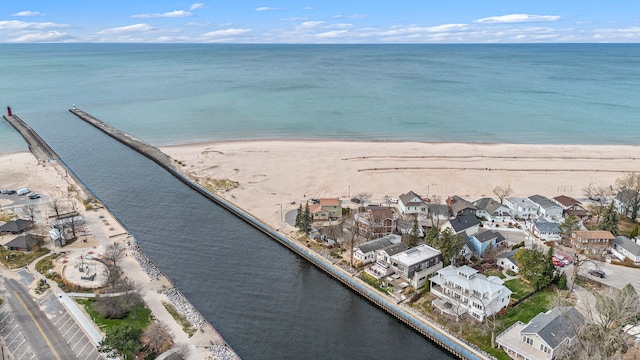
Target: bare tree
181	352
355	232
157	338
113	276
599	196
56	206
578	258
502	192
630	184
133	294
363	197
30	210
114	253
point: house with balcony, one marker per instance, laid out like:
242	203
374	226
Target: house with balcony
594	241
382	266
543	337
547	208
333	206
521	208
376	222
487	208
366	253
463	290
571	206
416	264
625	248
545	230
459	206
412	204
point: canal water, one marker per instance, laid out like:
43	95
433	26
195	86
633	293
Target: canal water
264	300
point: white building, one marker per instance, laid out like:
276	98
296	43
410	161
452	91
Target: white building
547	208
415	264
412	203
366	253
465	290
522	208
625	248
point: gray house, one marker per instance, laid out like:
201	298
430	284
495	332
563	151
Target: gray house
547	208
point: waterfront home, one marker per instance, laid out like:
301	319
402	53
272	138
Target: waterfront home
595	241
543	337
415	264
624	248
491	210
16	226
547	208
624	201
468	224
571	206
318	213
463	290
459	206
485	239
366	253
545	230
331	205
25	242
438	213
507	261
382	266
521	208
376	222
412	204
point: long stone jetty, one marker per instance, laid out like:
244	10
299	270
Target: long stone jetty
431	330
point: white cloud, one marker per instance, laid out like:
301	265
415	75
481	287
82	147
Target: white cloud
176	13
311	24
28	13
629	33
308	8
266	8
354	16
13	25
331	34
226	32
135	28
300	18
517	18
425	29
196	6
50	36
198	24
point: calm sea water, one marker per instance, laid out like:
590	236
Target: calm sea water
166	94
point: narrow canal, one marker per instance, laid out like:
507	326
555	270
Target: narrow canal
265	301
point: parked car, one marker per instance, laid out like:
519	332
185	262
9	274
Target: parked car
9	192
393	200
34	196
557	262
355	200
597	273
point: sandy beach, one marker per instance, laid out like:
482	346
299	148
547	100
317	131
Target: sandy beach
271	173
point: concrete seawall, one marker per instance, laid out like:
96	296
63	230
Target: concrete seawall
430	330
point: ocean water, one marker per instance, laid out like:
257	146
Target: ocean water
180	93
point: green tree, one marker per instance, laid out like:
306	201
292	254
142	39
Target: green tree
121	340
414	235
610	219
535	266
634	232
431	236
449	245
306	220
299	216
570	224
562	282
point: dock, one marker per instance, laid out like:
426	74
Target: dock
432	331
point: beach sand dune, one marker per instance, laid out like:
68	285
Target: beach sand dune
271	173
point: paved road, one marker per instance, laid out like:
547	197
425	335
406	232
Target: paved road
44	339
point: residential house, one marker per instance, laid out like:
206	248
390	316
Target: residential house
624	200
625	248
507	261
571	206
545	230
376	222
382	266
16	226
543	337
595	241
318	213
459	206
25	242
412	204
415	264
484	239
468	224
332	205
366	253
463	289
489	209
521	208
547	208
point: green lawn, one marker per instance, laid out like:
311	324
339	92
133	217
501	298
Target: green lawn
494	272
529	308
14	259
519	287
141	321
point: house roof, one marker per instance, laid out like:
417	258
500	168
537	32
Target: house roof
23	241
329	201
515	201
510	255
578	212
627	244
416	255
476	282
15	226
485	235
553	326
457	204
594	234
487	204
315	208
566	201
378	213
395	248
461	223
546	226
408	197
544	202
376	244
438	209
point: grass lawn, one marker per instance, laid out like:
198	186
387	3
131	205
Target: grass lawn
186	325
519	287
141	321
19	258
494	272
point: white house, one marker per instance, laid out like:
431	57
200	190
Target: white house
412	203
415	264
492	210
521	208
547	208
545	230
366	253
543	337
625	248
624	201
465	289
382	266
507	261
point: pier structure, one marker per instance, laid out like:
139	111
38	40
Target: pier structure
431	330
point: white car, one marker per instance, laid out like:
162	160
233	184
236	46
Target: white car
393	200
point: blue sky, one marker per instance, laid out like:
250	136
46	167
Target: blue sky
314	21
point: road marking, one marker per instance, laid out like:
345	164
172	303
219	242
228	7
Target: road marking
84	347
55	353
